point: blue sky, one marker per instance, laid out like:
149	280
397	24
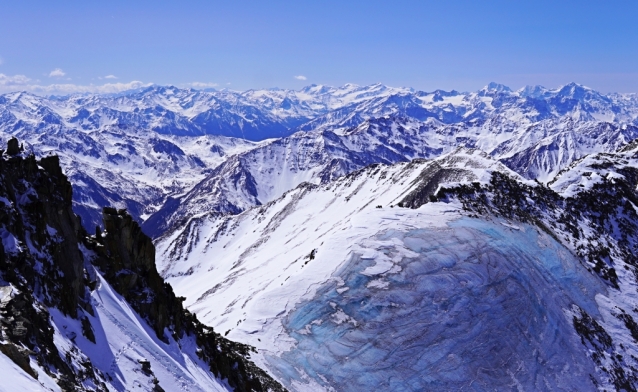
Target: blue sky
463	45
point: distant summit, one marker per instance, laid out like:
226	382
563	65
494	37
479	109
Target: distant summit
497	87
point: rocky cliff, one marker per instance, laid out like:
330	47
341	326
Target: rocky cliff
51	274
126	257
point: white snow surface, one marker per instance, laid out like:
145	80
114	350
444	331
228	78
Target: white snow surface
14	379
123	339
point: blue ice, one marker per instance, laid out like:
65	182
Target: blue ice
480	308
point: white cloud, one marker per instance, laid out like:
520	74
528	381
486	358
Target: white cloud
110	77
200	85
57	73
107	88
10	81
23	83
300	77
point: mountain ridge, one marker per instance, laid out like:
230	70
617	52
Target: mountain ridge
150	146
347	269
82	312
262	174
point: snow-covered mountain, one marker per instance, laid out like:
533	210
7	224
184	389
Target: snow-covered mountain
120	164
359	237
447	274
262	174
494	101
147	148
91	313
263	114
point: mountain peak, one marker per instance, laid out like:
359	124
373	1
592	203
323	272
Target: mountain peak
350	86
532	91
496	87
316	89
576	91
573	87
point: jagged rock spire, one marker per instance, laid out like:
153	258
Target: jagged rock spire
13	146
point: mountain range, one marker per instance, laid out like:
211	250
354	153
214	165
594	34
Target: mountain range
337	239
157	146
452	274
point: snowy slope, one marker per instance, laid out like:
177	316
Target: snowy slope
341	289
123	339
363	190
568	143
14	379
583	174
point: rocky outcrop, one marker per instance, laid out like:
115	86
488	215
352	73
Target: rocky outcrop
41	265
13	147
128	263
127	260
46	263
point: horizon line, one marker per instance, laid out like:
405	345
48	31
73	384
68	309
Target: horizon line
110	89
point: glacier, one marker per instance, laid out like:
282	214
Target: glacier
471	306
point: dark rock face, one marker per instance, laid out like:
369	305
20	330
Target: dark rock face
128	263
429	181
41	208
40	256
19	356
13	148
